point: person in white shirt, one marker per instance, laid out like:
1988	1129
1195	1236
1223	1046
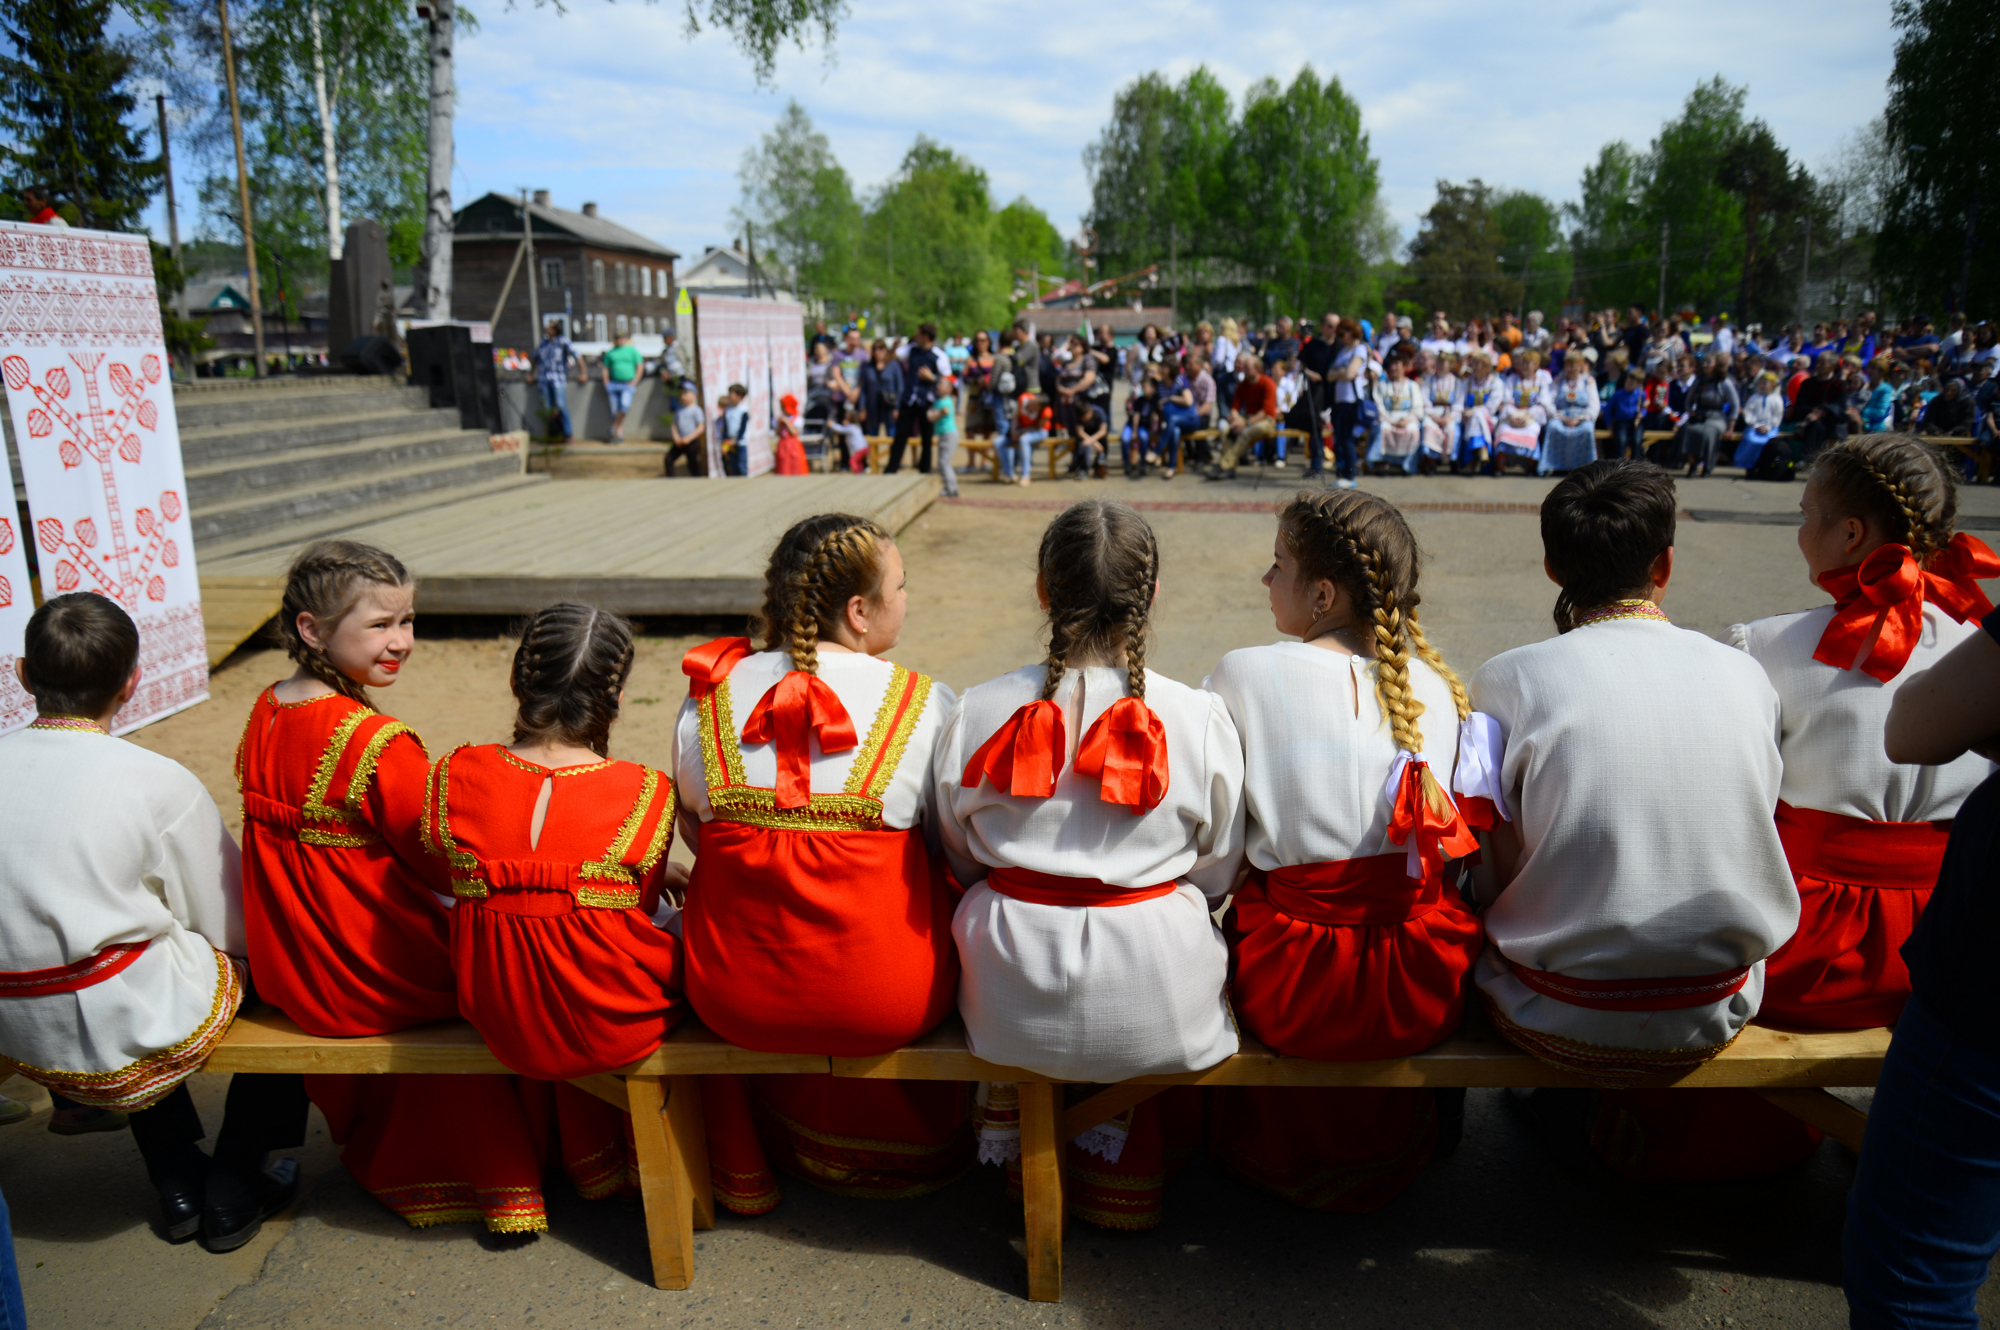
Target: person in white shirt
1478	415
1864	836
1763	417
121	925
1401	412
1641	884
1570	439
1518	434
1350	940
1093	809
1441	386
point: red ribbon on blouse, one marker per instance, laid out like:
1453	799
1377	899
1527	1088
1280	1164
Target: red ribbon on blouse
1889	588
709	664
1126	749
1022	756
1441	832
798	708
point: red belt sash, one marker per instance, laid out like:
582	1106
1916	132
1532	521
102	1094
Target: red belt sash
1025	884
1351	893
1854	851
76	975
262	808
1675	993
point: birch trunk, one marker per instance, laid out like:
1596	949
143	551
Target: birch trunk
437	218
333	228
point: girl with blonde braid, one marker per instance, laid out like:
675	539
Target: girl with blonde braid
818	919
1864	836
1094	812
1349	939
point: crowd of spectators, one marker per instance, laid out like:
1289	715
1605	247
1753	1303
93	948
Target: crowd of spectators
1485	396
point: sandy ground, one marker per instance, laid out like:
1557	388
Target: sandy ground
1506	1233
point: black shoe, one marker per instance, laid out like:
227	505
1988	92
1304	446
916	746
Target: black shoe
235	1209
180	1207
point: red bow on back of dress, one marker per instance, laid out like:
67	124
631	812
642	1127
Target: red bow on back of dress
1440	831
1125	748
798	708
709	664
1888	588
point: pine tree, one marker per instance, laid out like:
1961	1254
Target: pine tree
64	111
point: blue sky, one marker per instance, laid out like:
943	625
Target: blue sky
612	103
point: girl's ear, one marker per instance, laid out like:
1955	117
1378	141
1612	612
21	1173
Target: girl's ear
309	631
1042	590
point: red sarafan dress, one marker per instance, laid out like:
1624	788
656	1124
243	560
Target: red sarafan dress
560	965
347	938
1346	943
817	920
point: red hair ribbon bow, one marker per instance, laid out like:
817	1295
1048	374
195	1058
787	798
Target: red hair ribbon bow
709	664
1424	811
1889	589
1126	749
1022	756
799	707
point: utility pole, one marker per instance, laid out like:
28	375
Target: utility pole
534	277
1661	308
1805	259
173	216
243	190
1174	268
436	295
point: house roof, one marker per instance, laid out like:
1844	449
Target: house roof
214	294
498	217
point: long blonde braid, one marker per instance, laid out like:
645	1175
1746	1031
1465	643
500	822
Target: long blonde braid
1392	659
1459	698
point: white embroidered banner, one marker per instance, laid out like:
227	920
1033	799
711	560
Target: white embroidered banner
761	345
92	407
17	602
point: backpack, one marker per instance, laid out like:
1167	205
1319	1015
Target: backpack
1003	379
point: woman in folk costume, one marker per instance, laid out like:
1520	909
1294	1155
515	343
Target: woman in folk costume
1349	940
1571	438
1094	810
1864	836
557	856
1400	407
348	934
818	918
1640	884
1441	397
1518	434
1479	411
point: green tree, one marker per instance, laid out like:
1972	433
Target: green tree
1534	251
928	248
1157	174
1455	258
65	103
1945	190
1770	192
1027	241
1614	241
798	196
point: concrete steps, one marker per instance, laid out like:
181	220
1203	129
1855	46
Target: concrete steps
280	461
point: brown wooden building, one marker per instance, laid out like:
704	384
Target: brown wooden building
595	276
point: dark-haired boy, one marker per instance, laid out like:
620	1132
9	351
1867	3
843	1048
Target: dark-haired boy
1640	883
120	911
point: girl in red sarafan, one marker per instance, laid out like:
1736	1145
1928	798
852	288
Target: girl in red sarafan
558	862
818	918
1349	941
348	933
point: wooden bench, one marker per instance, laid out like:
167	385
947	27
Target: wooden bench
981	454
1790	1068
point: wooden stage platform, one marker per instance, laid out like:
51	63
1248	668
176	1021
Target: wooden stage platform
665	547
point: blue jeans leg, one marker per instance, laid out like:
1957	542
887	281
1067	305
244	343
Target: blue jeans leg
1923	1217
555	397
1345	414
12	1315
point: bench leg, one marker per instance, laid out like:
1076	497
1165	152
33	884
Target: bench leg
663	1181
1817	1108
690	1134
1042	1187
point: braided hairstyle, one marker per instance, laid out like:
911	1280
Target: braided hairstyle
818	566
1361	544
1603	527
326	581
568	671
1099	566
1895	482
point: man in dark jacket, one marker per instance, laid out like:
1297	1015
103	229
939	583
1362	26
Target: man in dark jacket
921	373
